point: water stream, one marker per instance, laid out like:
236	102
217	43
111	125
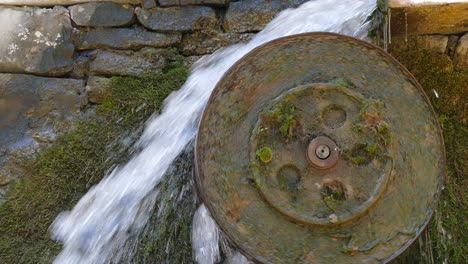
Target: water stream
120	205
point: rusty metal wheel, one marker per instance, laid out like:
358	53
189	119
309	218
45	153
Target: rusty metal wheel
319	148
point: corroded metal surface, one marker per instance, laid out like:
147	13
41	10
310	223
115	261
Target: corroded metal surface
322	152
319	148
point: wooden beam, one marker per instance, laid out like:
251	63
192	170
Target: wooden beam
407	3
448	18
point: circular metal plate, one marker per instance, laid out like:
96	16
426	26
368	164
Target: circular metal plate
319	148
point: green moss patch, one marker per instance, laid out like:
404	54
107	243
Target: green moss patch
60	174
375	130
361	153
264	154
282	116
333	193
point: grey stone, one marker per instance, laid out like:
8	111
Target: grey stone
190	61
206	42
5	180
183	18
452	45
96	88
192	2
128	63
4	184
35	109
81	64
125	38
253	15
60	2
149	3
104	14
461	53
35	40
435	43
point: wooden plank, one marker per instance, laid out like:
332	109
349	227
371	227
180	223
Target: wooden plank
407	3
430	19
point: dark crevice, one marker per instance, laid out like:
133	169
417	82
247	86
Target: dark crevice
221	14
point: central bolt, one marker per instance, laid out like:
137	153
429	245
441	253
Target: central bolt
322	151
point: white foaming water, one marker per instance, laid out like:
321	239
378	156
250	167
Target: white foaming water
205	237
113	210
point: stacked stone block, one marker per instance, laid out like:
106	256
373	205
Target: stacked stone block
57	56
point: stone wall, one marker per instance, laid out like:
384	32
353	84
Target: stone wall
455	46
55	54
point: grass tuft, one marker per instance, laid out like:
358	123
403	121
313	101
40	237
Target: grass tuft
60	174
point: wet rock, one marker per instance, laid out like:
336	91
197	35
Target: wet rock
461	53
452	45
149	4
96	88
236	257
437	43
81	64
128	63
253	15
190	61
183	18
35	40
36	108
125	38
4	184
104	14
205	42
5	180
60	2
193	2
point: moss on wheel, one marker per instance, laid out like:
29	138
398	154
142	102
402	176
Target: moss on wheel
264	154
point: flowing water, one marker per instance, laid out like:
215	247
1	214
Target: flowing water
120	205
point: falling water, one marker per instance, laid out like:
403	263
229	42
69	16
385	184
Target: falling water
117	208
205	237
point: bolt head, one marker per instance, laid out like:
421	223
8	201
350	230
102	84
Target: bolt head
322	152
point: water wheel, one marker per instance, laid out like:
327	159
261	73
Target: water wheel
319	148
